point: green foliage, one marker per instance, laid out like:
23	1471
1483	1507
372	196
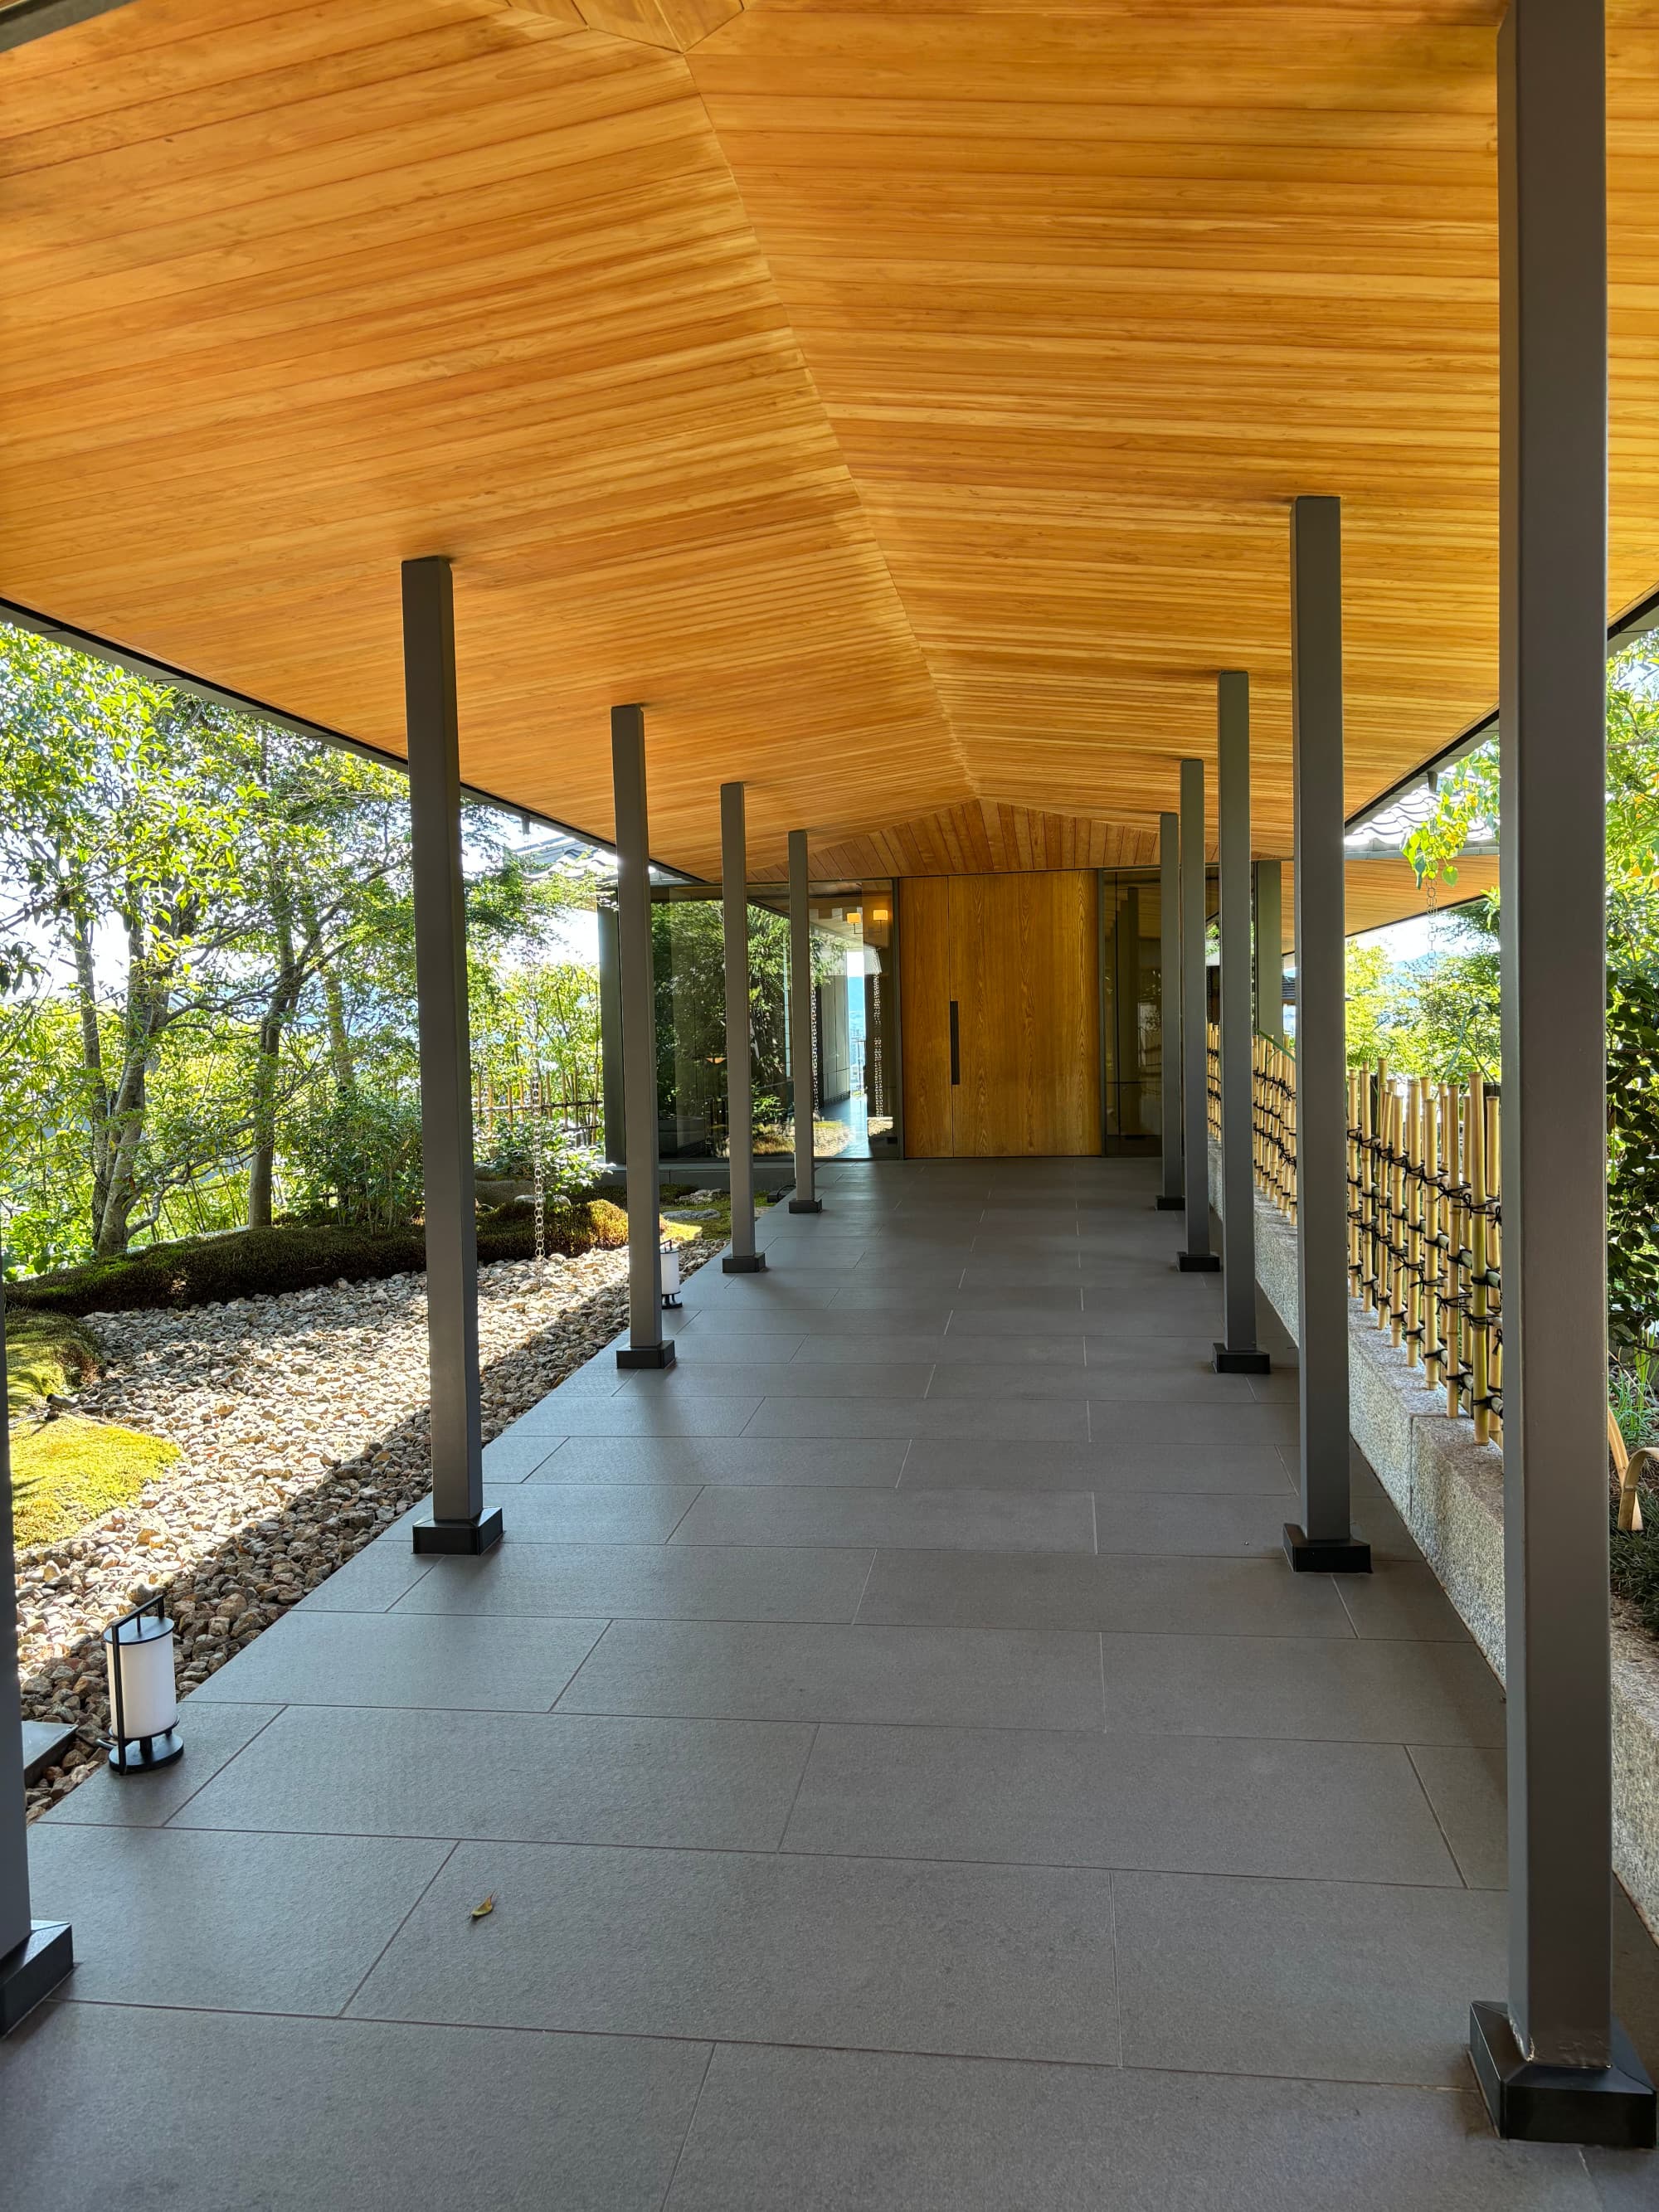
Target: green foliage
592	1224
357	1157
1436	1017
1633	1158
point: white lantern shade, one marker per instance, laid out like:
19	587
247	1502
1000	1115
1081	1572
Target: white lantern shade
671	1270
142	1649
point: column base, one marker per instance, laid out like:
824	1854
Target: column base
33	1969
1165	1204
1241	1362
1199	1263
436	1539
130	1757
1326	1555
1611	2106
807	1206
660	1354
744	1263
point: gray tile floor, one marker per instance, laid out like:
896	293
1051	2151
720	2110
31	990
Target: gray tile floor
908	1777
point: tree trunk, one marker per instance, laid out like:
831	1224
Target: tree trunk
339	1037
273	1026
92	1055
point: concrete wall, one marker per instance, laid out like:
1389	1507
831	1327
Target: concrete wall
1449	1492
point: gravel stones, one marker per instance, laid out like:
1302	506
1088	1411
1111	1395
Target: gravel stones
301	1423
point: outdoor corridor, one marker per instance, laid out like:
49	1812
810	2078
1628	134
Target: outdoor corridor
908	1776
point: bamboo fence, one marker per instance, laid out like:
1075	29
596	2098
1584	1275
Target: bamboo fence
1424	1215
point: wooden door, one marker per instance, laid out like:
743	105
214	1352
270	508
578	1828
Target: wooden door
1018	958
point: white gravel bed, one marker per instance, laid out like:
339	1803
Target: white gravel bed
302	1421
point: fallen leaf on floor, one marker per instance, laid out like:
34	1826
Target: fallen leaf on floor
478	1911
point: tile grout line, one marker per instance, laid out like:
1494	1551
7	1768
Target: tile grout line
703	2082
282	1707
426	1889
800	1784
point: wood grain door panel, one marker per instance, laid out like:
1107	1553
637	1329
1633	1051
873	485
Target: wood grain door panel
1019	957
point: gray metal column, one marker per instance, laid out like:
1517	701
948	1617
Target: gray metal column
742	1258
1238	1353
647	1346
459	1520
1198	1258
35	1954
805	1200
611	1037
1554	2064
1321	1543
1270	949
1173	1195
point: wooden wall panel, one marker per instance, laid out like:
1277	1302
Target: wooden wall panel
925	954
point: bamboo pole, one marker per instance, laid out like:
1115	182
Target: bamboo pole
1433	1251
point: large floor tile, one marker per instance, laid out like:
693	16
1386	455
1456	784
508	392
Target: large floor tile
1134	1420
658	1581
941	1463
400	1659
788	1378
253	1924
629	1414
876	1461
701	1784
1014	1419
570	1512
974	1677
860	2131
510	1458
1464	1786
198	2111
947	1347
1398	1599
877	1954
212	1736
1211	1525
371	1582
1228	1597
999	1379
1333	1981
1343	1690
1230	1806
932	1519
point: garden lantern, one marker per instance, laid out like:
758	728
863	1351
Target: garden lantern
143	1703
670	1273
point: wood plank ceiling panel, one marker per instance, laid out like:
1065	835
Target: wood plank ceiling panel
291	294
901	396
1091	292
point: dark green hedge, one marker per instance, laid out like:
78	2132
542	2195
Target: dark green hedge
257	1263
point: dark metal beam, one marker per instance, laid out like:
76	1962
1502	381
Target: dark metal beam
1197	1257
1172	1196
647	1346
458	1521
743	1259
1238	1353
805	1200
1323	1543
1553	2062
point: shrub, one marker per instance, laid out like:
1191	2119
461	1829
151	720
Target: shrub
47	1355
358	1161
591	1224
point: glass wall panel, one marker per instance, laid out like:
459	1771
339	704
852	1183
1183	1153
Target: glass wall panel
1132	1005
854	1023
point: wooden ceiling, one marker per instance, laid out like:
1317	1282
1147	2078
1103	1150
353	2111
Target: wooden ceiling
901	397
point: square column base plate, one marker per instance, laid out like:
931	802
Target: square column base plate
435	1538
1199	1263
807	1206
744	1263
1326	1555
645	1355
1241	1362
1165	1204
1612	2106
33	1969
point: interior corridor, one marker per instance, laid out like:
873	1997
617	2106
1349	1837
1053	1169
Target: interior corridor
908	1777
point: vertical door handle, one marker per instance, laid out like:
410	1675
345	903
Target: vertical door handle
956	1046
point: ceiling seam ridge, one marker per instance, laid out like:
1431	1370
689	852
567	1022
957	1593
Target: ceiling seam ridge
957	748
